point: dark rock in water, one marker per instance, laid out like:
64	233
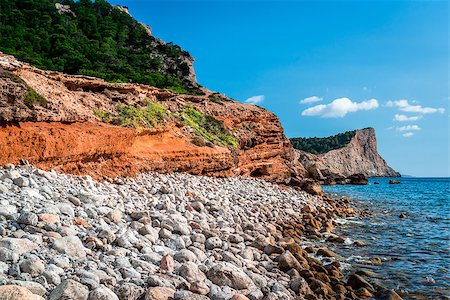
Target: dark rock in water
326	252
329	181
358	179
310	249
341	180
376	182
402	216
368	273
386	294
363	293
392	181
360	243
335	239
357	282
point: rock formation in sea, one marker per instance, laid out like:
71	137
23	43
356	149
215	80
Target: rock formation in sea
358	156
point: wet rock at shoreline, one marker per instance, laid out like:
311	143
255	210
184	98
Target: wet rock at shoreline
358	179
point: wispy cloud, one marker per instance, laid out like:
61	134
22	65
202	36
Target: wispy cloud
311	99
408	134
403	118
339	108
408	128
404	105
255	99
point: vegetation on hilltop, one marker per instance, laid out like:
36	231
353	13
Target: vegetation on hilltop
95	39
317	145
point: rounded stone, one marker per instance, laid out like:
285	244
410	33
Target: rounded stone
14	292
28	218
34	267
213	242
102	293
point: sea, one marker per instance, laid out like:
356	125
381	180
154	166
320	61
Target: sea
414	250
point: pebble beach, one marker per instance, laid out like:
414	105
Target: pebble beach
170	236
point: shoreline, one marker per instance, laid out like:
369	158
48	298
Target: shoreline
169	236
404	232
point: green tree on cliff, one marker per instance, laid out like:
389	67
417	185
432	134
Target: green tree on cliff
97	40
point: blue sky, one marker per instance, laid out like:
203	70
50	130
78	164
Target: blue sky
362	62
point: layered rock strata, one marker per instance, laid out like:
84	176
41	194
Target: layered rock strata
67	135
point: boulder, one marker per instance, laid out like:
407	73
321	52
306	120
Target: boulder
34	287
224	273
191	272
70	245
102	293
129	291
385	294
69	289
166	264
159	293
14	292
19	246
300	286
325	252
358	179
287	261
308	185
357	282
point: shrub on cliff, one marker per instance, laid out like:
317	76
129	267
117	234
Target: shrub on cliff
207	127
141	117
32	97
91	38
317	145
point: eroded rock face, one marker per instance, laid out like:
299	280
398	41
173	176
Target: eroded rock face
66	134
360	156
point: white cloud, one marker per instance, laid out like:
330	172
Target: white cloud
408	134
311	99
339	108
255	99
408	128
403	118
405	106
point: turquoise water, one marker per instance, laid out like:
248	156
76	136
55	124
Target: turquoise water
415	249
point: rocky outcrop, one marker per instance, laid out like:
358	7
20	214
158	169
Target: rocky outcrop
360	156
64	9
64	132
